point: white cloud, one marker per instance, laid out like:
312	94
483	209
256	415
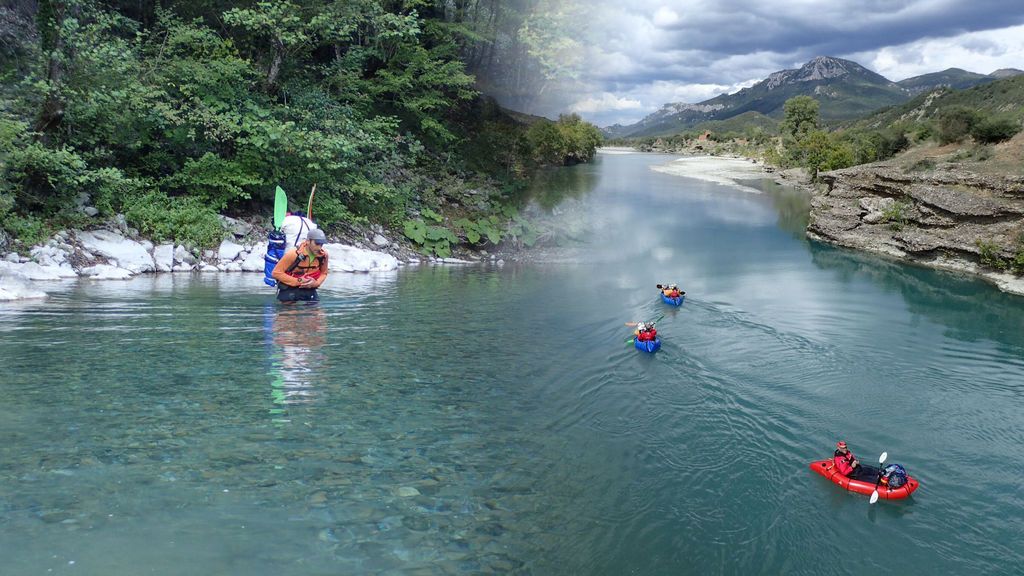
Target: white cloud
643	54
606	101
665	16
981	52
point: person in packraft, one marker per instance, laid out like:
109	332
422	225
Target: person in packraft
302	269
296	227
645	332
672	291
846	463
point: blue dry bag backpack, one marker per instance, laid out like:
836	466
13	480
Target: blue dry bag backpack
896	474
275	251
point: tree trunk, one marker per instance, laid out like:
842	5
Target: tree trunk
275	66
50	17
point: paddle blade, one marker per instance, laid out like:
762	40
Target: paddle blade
881	459
874	497
280	207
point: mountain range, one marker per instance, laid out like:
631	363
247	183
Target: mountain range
844	89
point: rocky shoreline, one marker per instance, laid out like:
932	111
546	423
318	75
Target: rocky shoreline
949	219
117	252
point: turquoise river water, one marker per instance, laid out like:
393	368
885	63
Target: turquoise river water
487	419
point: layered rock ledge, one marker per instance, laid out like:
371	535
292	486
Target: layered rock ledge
943	219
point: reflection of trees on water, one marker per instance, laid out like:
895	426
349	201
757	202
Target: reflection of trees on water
967	306
297	335
551	186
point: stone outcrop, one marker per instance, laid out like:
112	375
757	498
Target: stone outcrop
941	219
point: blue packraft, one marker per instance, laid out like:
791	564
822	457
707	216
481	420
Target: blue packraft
275	251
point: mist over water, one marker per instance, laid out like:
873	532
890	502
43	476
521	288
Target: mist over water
466	420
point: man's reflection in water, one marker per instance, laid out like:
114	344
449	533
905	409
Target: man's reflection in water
296	336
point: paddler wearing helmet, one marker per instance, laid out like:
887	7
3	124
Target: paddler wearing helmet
302	269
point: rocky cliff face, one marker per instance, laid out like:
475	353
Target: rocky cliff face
947	219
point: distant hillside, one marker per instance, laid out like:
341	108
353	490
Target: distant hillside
1003	97
844	89
741	123
950	78
1006	73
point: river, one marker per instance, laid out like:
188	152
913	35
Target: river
491	419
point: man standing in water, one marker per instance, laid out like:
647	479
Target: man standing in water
302	269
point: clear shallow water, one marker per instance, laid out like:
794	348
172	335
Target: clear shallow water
483	419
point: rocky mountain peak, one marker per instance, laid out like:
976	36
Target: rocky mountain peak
819	68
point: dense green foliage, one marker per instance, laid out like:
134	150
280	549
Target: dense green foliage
570	140
172	112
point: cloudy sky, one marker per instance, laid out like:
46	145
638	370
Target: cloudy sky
644	53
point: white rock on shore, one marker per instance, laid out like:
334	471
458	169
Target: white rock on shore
229	250
127	257
352	259
128	254
31	271
106	272
182	255
163	257
13	288
254	261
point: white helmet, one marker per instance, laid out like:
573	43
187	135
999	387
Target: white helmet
641	326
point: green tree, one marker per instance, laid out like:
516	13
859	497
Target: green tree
821	152
800	116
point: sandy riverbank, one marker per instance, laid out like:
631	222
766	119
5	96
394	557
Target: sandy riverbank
727	171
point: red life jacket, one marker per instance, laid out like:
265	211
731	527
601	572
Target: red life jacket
844	462
647	335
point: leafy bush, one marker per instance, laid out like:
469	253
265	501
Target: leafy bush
483	230
989	253
329	210
896	215
379	201
185	220
436	240
45	179
1017	264
29	230
922	165
994	130
955	123
216	181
